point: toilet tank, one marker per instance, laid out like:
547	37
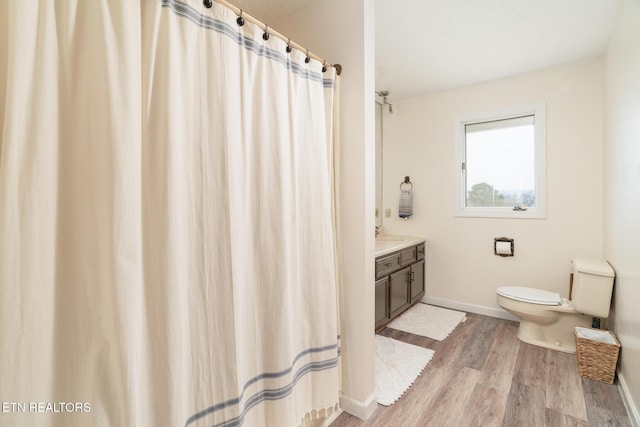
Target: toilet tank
592	286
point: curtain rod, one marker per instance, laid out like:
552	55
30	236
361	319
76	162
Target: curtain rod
245	16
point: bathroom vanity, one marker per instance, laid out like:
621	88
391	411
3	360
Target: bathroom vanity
400	271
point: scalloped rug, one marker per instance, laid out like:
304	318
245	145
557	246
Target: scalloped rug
398	364
428	321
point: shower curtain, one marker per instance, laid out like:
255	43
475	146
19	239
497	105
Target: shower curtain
167	219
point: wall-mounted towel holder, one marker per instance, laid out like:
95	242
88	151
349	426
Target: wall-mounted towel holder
405	208
407	181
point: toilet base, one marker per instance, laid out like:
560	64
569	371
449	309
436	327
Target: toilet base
558	336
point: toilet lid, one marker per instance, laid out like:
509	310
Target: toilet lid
531	295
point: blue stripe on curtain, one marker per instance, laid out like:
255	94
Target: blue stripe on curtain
221	27
274	394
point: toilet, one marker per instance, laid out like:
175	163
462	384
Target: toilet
547	319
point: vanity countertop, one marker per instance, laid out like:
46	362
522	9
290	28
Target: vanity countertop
387	243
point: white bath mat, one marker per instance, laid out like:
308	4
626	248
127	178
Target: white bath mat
428	321
398	364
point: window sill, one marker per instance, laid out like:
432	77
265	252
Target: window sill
531	213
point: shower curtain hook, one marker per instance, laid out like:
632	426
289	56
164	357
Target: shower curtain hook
207	3
289	49
265	35
324	65
240	20
308	58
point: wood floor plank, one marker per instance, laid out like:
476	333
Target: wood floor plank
488	401
556	419
601	417
604	404
476	349
445	409
531	368
605	396
408	338
564	386
525	406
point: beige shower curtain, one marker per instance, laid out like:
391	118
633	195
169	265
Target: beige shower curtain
167	240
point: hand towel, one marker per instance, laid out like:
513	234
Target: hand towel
405	209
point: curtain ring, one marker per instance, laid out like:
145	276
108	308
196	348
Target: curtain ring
324	65
307	59
207	3
240	20
289	49
265	35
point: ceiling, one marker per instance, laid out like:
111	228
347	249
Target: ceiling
425	46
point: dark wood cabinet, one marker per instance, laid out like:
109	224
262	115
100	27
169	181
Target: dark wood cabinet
417	281
399	282
408	256
382	308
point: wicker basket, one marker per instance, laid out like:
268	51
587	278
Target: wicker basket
597	354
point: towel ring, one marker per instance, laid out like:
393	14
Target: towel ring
407	180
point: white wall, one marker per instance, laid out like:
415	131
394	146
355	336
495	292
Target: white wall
343	32
419	142
622	191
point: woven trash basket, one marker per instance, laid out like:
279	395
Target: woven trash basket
597	352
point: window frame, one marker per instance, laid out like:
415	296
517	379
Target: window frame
538	110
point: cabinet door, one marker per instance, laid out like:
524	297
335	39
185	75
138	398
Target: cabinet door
399	284
417	281
382	301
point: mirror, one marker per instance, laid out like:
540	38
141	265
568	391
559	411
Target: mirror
378	164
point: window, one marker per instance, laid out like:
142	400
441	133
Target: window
500	164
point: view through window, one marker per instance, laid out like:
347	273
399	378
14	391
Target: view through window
500	163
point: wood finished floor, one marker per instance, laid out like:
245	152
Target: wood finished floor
482	375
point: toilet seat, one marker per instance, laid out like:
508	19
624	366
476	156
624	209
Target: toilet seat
530	295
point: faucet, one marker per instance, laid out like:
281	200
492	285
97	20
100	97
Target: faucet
378	231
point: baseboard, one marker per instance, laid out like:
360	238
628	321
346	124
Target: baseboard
632	409
360	409
470	308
